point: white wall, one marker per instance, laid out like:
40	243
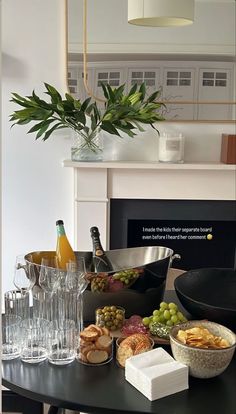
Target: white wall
202	142
36	189
213	31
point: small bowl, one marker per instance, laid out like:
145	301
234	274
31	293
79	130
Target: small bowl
111	317
202	362
83	353
131	348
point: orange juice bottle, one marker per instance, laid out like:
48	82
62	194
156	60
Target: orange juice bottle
64	251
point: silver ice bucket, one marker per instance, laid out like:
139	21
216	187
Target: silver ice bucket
143	296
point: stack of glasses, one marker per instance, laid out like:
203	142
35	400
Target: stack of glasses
49	329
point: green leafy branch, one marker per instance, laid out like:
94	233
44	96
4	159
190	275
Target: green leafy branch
122	113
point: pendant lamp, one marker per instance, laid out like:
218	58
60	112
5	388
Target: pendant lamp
161	12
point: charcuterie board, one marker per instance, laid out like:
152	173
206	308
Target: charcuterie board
158	340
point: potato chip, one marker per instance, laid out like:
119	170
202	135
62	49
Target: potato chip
200	337
182	336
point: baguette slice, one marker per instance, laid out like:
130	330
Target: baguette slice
89	335
105	331
95	328
85	350
97	356
103	342
83	343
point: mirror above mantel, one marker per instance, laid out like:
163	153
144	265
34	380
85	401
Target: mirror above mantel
193	66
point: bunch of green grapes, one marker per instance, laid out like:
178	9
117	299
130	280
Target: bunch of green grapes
168	314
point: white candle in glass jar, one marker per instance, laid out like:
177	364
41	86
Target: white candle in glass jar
171	147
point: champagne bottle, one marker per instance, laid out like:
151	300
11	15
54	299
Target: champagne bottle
64	251
100	259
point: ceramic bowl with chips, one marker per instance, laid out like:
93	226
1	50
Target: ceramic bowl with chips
201	352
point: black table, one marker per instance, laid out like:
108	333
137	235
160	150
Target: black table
104	389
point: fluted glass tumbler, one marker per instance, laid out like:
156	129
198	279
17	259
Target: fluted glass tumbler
17	303
46	305
62	342
11	344
34	340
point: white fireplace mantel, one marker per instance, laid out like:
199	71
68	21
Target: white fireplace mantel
95	183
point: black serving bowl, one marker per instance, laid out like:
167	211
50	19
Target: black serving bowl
209	293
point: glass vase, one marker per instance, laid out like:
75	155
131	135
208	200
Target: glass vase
88	146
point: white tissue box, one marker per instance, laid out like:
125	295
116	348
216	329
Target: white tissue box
156	374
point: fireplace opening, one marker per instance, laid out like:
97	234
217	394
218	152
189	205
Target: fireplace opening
203	232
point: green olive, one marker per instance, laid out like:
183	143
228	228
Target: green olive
110	316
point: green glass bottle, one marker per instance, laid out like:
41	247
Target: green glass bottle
100	260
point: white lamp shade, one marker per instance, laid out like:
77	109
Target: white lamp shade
160	12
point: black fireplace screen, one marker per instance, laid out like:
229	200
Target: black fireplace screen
199	243
202	232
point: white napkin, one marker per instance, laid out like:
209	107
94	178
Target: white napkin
156	374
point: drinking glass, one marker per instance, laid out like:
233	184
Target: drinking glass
34	340
62	342
76	283
49	273
24	275
11	344
71	281
75	280
17	303
46	305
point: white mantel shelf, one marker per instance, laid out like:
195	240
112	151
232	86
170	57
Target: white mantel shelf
150	165
96	183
